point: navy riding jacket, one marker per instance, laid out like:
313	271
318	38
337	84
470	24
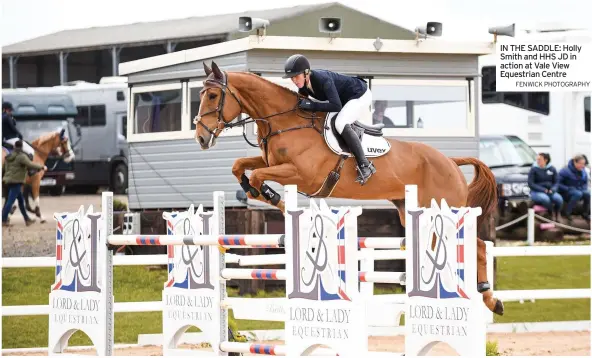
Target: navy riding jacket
336	88
570	177
540	179
9	129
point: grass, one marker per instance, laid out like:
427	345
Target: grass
30	286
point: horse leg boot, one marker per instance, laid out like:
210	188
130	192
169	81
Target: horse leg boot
283	174
238	170
365	167
495	305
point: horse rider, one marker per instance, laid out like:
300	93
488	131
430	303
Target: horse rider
10	134
350	96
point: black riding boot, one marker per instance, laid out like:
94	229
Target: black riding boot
365	167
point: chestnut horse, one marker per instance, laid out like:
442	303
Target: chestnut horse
294	151
43	146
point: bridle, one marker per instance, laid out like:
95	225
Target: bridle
222	124
61	151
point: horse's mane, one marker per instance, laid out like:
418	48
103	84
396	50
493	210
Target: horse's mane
275	85
45	137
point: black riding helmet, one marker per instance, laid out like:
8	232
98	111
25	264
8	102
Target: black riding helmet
7	106
295	65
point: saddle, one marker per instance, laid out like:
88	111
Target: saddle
371	137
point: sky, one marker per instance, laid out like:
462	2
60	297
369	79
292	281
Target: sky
462	19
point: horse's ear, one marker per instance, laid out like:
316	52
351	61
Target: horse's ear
62	132
217	72
207	70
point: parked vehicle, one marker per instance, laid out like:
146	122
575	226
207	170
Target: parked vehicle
510	159
37	113
102	156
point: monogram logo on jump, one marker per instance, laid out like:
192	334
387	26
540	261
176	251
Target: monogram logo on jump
188	264
76	252
438	253
319	271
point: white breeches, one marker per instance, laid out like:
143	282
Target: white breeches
355	109
26	147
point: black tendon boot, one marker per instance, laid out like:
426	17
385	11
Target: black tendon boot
365	167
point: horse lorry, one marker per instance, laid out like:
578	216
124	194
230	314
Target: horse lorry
102	155
39	113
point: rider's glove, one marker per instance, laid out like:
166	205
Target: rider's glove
306	104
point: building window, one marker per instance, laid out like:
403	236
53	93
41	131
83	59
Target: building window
587	114
195	101
537	102
426	106
158	110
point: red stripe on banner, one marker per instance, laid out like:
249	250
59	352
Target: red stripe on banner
461	292
58	285
341	221
170	251
344	295
60	226
362	277
362	242
170	283
460	253
341	254
58	252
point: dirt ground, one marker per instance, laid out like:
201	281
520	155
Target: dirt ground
509	344
18	240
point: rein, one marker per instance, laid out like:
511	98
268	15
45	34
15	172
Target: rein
222	124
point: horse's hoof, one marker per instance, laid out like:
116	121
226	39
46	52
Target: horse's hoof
483	286
499	308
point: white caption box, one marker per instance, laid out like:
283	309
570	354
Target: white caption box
543	66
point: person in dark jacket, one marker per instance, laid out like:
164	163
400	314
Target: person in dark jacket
350	96
15	166
543	181
573	185
10	134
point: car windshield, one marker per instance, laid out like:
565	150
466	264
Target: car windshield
504	151
35	128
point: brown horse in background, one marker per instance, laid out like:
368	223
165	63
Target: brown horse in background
294	152
43	146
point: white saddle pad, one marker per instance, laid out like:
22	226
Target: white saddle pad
374	146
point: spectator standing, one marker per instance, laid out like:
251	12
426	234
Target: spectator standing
573	186
15	165
543	181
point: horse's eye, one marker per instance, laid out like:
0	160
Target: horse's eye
213	96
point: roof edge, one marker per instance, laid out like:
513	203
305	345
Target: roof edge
352	45
174	58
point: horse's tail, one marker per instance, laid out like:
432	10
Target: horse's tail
483	188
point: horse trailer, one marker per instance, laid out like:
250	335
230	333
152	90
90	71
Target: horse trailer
102	155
